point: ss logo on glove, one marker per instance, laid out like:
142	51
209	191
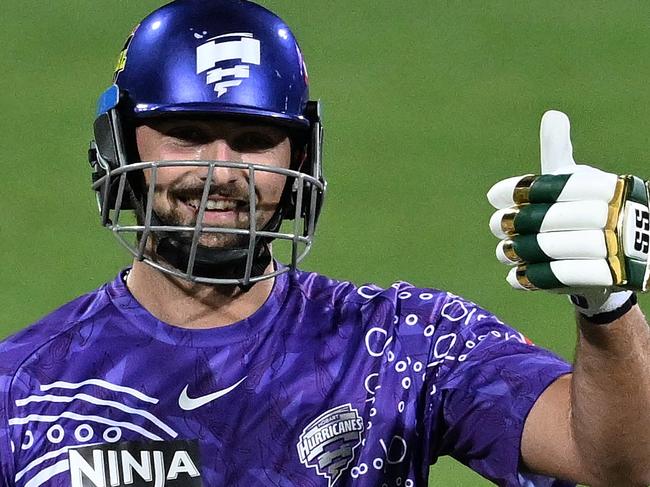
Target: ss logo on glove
642	239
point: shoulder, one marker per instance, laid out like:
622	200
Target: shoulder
18	348
446	326
318	286
399	299
34	351
398	306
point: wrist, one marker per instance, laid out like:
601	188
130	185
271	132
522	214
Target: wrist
605	310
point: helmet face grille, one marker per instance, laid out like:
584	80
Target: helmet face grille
177	249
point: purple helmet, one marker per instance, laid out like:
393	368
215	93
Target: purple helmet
222	58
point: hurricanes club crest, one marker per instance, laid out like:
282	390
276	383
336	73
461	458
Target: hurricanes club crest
226	60
327	444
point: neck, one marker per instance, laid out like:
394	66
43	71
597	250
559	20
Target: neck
190	305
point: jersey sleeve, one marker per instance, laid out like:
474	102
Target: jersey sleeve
6	446
487	378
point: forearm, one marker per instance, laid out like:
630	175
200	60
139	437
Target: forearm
610	413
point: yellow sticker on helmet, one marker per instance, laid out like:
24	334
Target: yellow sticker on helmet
121	60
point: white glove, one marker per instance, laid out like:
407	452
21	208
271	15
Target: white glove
574	230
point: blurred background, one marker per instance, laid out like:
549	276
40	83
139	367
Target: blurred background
427	104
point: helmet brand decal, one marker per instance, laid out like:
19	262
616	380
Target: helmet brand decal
327	444
227	59
121	61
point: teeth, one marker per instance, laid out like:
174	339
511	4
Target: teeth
219	205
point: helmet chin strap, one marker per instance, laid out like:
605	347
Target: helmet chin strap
216	263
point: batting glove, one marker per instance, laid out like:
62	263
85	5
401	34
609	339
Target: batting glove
575	229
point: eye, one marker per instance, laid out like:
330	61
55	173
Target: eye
190	135
255	141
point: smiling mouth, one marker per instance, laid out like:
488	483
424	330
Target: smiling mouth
218	205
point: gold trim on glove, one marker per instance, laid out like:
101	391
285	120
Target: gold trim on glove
508	221
522	279
509	251
521	192
613	242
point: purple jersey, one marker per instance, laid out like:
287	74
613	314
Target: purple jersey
327	384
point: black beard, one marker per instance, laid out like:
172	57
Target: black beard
214	240
221	262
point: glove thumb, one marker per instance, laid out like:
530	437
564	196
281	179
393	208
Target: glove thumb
555	144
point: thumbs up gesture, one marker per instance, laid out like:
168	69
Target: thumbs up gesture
574	229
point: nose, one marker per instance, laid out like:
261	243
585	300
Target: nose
219	150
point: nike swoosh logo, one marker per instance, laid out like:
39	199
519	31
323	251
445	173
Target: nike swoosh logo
189	404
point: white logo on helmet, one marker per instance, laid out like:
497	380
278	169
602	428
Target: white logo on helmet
217	55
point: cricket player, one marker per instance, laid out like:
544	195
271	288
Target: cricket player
209	362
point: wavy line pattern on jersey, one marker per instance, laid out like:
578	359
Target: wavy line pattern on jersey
81	417
99	383
98	402
47	473
48	456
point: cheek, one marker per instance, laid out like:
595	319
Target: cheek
274	184
269	187
164	176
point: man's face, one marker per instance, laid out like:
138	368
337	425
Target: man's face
178	190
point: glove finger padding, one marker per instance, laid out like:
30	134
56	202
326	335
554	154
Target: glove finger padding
586	183
550	246
561	274
546	217
588	228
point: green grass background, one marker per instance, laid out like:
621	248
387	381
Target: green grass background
427	103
